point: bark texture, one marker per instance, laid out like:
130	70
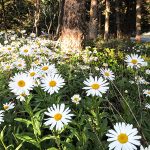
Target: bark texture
118	19
93	24
37	15
138	20
72	33
107	11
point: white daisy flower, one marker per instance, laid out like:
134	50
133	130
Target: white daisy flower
95	86
33	73
8	106
22	96
26	50
47	68
33	35
7	66
134	61
9	49
107	74
147	105
59	116
1	116
76	98
52	83
20	64
147	71
146	92
146	148
124	137
21	83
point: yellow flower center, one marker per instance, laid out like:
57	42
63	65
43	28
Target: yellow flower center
148	92
19	65
57	116
123	138
76	99
25	50
32	74
5	107
9	48
52	83
21	83
23	94
8	67
134	61
107	74
45	68
95	86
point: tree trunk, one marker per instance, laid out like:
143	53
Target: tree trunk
60	16
107	11
118	19
37	15
73	23
100	18
138	20
93	24
4	16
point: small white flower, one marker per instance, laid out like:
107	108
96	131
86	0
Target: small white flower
58	116
8	106
146	92
147	105
76	98
26	50
107	74
147	71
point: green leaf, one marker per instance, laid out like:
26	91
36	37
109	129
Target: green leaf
52	148
2	133
26	138
25	121
48	137
19	146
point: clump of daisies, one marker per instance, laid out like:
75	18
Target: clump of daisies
123	137
95	86
135	61
58	116
76	99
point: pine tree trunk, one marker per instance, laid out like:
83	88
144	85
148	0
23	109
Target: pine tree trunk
60	17
138	20
93	24
100	18
73	23
107	11
118	19
37	15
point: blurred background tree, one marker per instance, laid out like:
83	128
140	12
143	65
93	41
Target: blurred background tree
107	18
